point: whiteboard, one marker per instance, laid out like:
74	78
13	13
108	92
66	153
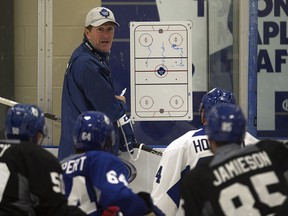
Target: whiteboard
161	71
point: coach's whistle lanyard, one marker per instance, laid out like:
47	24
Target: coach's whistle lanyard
107	71
92	49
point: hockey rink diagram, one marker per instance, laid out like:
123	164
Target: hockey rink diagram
161	71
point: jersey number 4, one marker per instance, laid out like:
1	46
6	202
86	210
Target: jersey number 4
158	175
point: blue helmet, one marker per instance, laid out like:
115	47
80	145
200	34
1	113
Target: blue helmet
94	131
24	121
216	96
226	123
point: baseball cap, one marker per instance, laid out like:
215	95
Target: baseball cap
98	16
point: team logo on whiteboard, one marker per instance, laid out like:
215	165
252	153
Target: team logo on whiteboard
285	105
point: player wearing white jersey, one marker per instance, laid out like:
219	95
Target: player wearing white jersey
184	153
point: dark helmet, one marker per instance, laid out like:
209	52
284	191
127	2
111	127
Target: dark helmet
226	123
216	96
94	131
24	121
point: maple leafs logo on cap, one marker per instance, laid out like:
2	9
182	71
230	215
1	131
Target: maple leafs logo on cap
104	13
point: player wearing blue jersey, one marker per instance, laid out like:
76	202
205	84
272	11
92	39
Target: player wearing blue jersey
236	181
88	84
95	179
184	153
31	179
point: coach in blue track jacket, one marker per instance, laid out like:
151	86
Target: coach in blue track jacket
88	83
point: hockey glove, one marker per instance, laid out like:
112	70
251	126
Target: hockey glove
127	138
152	209
112	211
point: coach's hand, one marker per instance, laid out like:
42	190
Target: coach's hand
120	97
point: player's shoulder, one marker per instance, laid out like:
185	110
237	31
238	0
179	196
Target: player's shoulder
268	144
6	146
276	150
199	132
40	153
18	146
31	153
104	161
98	153
184	141
104	157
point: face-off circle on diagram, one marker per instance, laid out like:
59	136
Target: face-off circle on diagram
175	39
146	102
161	71
176	102
145	40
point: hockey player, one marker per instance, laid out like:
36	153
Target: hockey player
30	176
95	179
184	153
236	181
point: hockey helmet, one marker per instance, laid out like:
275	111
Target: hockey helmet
216	96
24	121
94	131
226	123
